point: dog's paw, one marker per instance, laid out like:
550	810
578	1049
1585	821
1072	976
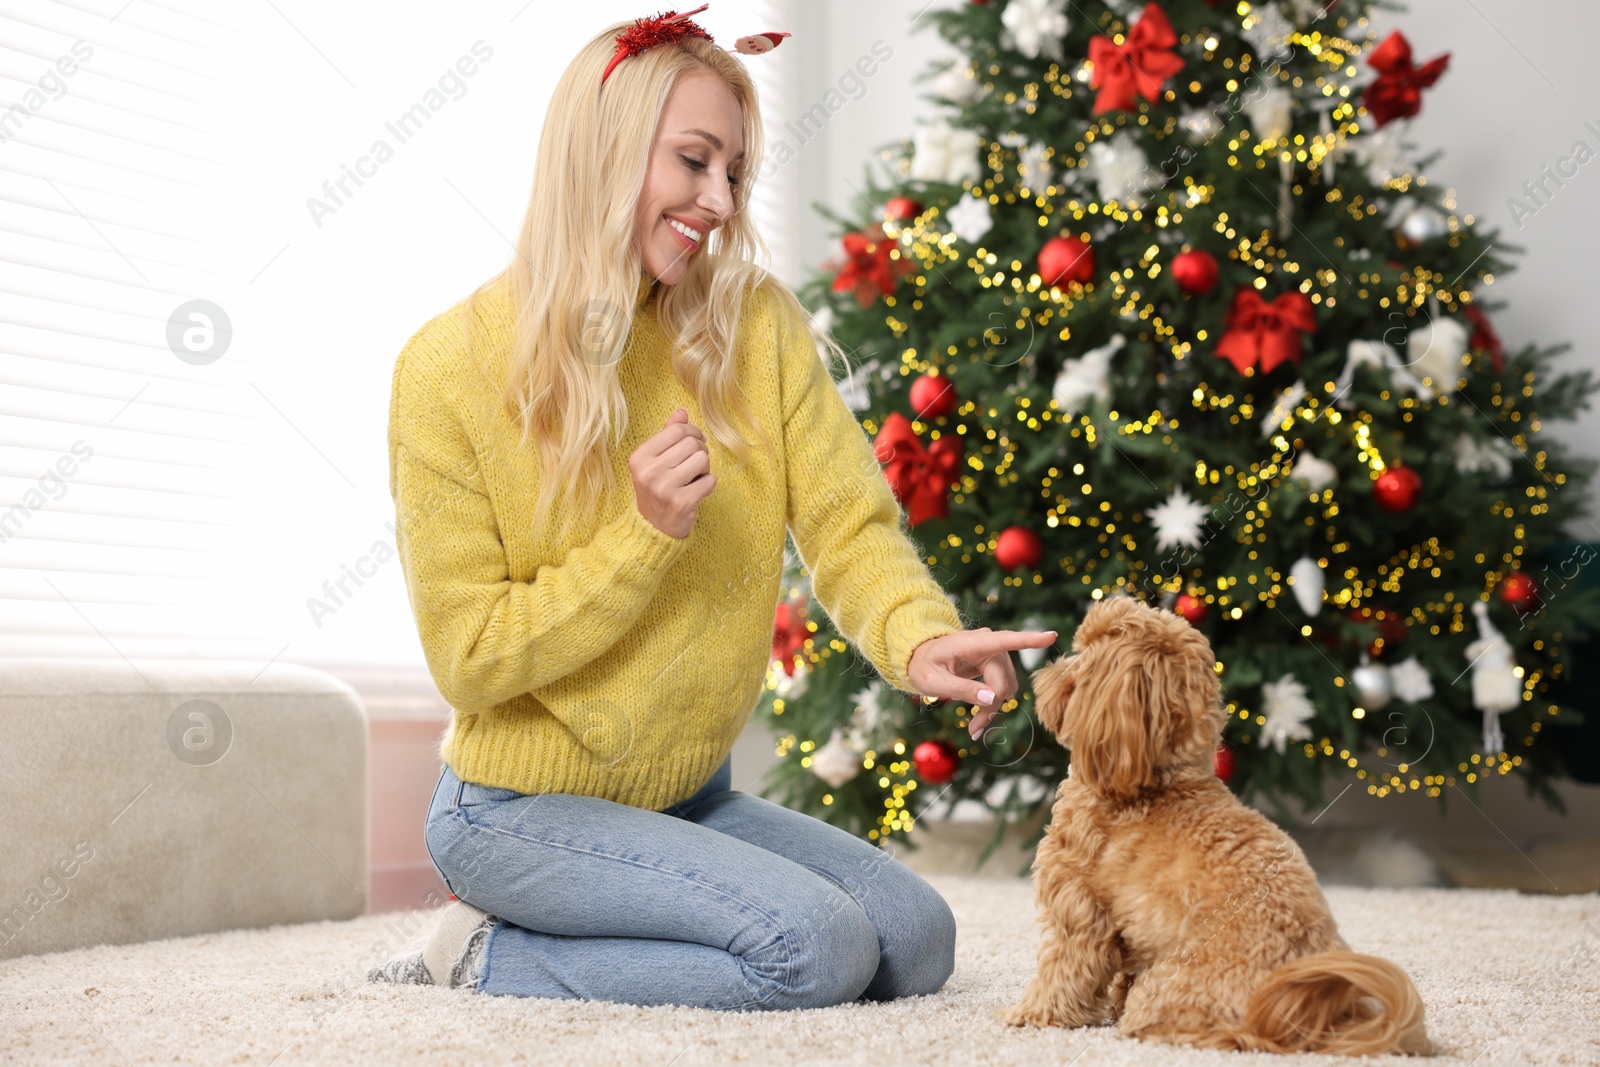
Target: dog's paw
1022	1015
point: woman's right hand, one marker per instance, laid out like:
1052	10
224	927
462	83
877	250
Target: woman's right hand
672	474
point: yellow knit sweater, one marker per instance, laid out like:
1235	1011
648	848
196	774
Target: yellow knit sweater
623	662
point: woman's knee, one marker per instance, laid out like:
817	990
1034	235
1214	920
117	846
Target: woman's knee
920	947
826	954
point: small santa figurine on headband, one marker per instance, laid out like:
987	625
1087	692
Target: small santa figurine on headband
671	26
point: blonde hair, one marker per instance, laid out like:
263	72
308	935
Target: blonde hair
572	292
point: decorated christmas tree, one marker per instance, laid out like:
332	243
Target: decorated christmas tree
1165	307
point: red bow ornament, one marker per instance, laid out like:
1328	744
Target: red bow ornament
1265	334
920	477
871	271
789	633
1139	65
1397	91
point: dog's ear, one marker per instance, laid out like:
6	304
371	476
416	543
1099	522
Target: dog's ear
1052	688
1112	747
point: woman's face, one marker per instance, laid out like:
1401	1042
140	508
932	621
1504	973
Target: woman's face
695	161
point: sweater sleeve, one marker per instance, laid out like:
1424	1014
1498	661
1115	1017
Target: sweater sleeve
846	523
487	638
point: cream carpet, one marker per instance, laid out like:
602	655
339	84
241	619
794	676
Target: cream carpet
1507	978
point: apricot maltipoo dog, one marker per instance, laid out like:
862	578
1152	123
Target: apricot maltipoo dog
1167	905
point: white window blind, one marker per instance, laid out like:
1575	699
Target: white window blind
219	222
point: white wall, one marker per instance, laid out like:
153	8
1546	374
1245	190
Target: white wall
1516	97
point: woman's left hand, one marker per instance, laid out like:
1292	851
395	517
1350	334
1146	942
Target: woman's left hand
944	667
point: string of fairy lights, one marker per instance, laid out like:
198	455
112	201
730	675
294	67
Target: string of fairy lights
1003	439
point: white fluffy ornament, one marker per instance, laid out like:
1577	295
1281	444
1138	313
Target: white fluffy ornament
1384	152
1200	124
789	686
1086	378
1495	685
1034	27
1363	353
1282	408
1269	31
1121	169
872	710
854	390
970	218
1271	113
1373	684
1434	350
943	153
1309	581
1410	680
1287	711
957	85
1036	170
836	762
1177	521
1316	472
1493	454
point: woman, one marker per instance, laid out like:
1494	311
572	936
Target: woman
602	649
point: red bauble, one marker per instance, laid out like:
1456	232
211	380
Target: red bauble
932	397
1222	762
1016	547
1397	488
1066	259
1519	590
1191	608
936	761
901	208
1195	271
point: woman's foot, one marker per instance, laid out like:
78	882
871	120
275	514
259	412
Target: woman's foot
450	955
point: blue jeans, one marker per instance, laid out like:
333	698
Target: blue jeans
724	900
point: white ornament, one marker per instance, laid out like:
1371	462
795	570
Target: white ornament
1271	113
1410	680
789	686
1493	454
871	708
1495	685
822	320
1032	657
854	390
1423	224
1034	27
1282	409
1268	33
1364	353
836	762
1372	683
1201	125
943	153
1035	169
1121	169
1435	350
1317	473
1384	152
1177	521
957	85
1308	581
970	219
1287	711
1325	131
1086	378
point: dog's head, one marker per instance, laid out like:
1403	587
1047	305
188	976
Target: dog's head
1139	694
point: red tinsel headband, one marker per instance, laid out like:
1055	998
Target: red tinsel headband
670	26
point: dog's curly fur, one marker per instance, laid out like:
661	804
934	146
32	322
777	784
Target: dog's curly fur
1165	902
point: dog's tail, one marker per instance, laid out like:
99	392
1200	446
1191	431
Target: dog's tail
1344	1003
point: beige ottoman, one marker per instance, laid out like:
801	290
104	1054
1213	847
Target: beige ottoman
170	797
